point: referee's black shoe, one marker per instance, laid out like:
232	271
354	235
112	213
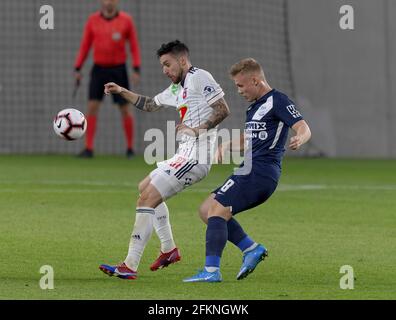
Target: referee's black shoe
86	154
130	153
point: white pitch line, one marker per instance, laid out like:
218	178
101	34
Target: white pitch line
63	191
130	187
72	183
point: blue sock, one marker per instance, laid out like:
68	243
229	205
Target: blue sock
237	236
216	239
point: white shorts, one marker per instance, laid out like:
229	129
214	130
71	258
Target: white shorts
176	174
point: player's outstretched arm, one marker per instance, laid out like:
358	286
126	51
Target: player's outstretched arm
141	102
219	113
303	134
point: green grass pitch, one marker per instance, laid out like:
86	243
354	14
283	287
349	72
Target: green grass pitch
75	214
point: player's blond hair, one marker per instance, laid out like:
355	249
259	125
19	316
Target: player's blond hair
248	65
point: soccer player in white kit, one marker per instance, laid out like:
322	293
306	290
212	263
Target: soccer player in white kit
199	100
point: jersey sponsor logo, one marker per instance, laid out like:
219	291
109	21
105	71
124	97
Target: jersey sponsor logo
116	36
182	112
262	135
208	90
255	126
252	127
293	111
263	109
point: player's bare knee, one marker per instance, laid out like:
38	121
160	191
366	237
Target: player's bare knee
204	208
203	213
218	210
142	201
149	198
142	185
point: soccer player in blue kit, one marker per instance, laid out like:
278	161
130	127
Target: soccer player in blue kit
268	120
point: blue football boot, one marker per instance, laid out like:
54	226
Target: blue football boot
205	276
250	261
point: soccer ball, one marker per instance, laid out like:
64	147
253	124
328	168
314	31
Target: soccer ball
70	124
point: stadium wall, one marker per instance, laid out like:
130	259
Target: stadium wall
344	78
37	65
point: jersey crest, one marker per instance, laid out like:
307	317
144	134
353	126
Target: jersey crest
182	112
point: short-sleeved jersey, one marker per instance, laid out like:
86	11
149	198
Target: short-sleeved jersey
108	38
192	99
267	124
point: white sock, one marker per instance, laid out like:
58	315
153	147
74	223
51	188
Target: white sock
254	245
211	269
163	228
141	234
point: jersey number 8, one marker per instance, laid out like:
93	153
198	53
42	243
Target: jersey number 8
227	185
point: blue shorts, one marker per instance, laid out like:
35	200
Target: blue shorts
243	192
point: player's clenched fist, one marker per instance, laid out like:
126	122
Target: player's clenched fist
112	87
295	142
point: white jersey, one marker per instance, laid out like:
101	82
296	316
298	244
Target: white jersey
192	99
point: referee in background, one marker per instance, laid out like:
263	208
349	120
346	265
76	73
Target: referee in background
108	30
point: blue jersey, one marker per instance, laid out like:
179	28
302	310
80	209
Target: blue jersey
267	124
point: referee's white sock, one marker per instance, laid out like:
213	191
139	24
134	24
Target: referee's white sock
141	234
163	228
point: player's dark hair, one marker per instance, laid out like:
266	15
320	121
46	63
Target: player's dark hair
175	47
